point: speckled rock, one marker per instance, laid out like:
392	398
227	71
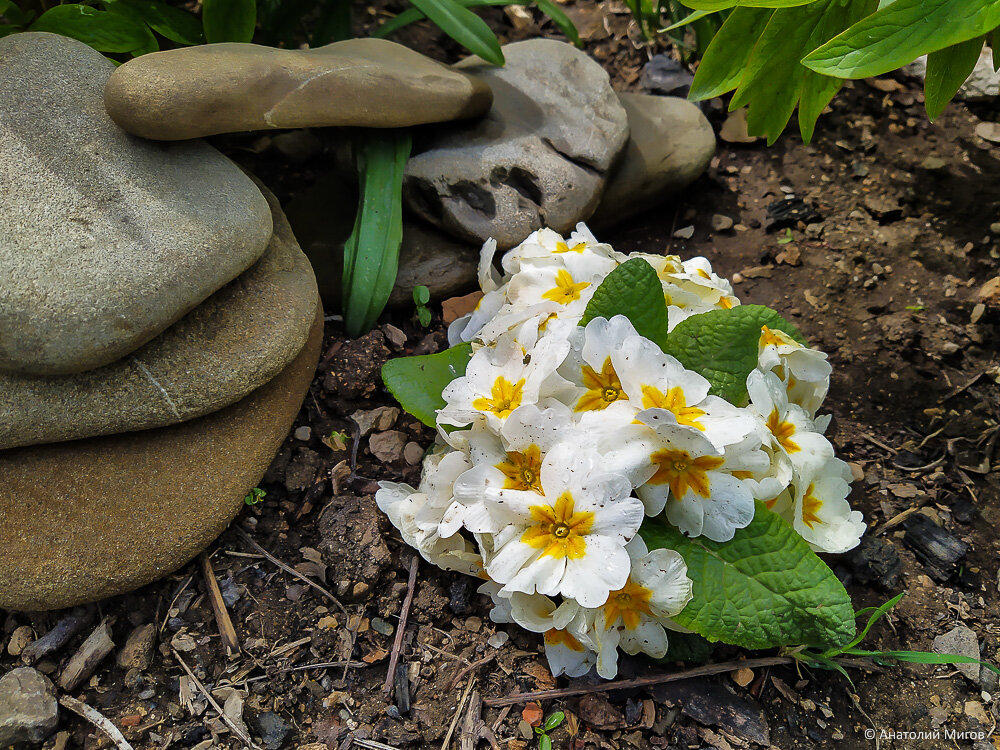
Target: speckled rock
228	88
105	239
540	156
670	144
236	341
28	709
90	519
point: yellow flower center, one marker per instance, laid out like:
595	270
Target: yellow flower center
628	603
555	637
703	273
725	303
565	290
810	507
562	247
782	432
675	401
505	397
682	472
603	388
775	338
522	469
558	530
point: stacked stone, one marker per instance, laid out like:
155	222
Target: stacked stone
159	324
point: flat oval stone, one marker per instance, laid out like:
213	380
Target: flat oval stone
236	341
230	88
90	519
105	239
538	158
670	144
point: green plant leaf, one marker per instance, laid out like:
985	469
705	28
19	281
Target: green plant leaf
633	290
721	345
371	253
549	8
15	15
923	657
774	81
764	588
229	20
713	5
464	26
421	294
7	29
544	742
994	37
417	382
104	31
554	720
171	23
727	56
694	16
899	33
947	70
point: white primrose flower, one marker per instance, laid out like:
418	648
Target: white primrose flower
570	539
677	467
593	363
786	426
633	617
511	460
467	327
804	371
820	511
564	282
546	244
498	380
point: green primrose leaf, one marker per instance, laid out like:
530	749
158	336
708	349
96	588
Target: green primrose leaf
899	33
633	290
104	31
947	70
554	720
721	345
464	26
417	382
229	20
762	589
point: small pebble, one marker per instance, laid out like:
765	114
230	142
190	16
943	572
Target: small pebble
381	626
20	639
413	454
685	233
498	639
395	336
304	433
721	223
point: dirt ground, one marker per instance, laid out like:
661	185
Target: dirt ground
883	274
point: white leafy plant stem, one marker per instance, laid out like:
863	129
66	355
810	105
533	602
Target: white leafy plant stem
561	439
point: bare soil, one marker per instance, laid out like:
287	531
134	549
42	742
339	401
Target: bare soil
884	277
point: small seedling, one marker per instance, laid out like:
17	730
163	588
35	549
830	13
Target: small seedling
916	308
786	238
421	296
337	440
554	720
255	496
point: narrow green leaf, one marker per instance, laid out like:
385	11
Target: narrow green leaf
556	14
727	56
899	33
464	26
923	657
721	345
417	382
371	253
635	291
229	20
994	37
553	11
686	20
817	92
763	588
554	720
947	70
713	5
169	22
104	31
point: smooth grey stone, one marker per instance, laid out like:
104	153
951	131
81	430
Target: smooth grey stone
105	239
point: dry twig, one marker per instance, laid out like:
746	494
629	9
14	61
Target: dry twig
475	665
97	719
458	713
222	619
404	613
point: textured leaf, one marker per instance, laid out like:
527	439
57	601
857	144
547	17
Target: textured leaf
764	588
104	31
171	23
899	33
727	56
417	382
464	26
229	20
721	345
947	70
371	253
633	290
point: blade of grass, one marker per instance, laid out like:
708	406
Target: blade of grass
371	253
464	26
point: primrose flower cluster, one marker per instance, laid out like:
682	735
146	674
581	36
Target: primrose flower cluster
561	439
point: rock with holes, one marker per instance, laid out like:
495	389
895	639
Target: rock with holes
234	342
670	144
89	519
538	158
105	239
228	88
